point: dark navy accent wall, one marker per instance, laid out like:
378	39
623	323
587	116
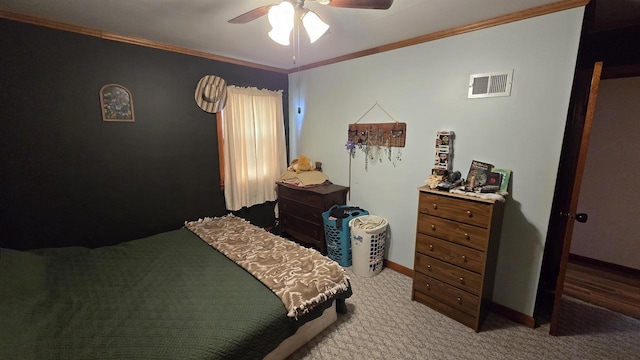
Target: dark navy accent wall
67	177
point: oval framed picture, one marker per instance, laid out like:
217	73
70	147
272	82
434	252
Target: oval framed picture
116	103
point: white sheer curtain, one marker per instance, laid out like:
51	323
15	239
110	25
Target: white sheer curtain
254	146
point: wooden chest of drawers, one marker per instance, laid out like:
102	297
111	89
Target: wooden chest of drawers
455	258
301	211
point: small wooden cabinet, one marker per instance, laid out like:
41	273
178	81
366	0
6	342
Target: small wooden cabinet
300	211
455	257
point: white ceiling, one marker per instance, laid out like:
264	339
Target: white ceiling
202	24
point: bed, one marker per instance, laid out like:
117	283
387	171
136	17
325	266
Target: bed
218	288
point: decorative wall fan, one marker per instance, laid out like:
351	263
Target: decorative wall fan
282	16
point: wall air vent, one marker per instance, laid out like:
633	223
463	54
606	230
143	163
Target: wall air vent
490	84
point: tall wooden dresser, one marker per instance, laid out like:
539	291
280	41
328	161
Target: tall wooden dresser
455	257
300	211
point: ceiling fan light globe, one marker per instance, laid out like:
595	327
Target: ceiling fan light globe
314	26
279	36
281	16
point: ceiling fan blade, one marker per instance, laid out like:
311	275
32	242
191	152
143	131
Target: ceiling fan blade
362	4
251	15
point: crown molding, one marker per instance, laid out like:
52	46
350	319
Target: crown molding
505	19
131	40
500	20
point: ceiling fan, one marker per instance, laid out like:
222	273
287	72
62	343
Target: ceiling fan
354	4
282	16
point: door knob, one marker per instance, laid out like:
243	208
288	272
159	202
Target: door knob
582	217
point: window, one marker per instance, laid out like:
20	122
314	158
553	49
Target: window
252	148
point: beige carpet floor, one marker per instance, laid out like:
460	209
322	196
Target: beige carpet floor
383	323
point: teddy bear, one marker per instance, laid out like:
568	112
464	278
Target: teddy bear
302	163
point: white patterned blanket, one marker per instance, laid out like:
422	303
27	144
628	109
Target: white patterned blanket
302	278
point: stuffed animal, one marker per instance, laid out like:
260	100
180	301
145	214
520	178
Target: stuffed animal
302	163
433	181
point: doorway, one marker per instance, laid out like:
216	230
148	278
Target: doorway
603	267
568	192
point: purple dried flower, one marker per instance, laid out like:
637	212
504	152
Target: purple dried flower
350	145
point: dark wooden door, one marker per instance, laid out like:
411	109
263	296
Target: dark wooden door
569	214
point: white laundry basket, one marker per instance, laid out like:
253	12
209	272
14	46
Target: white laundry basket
368	236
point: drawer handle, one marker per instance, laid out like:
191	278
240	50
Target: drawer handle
469	214
429	267
430	247
466	236
460	301
464	258
433	227
461	280
435	206
428	286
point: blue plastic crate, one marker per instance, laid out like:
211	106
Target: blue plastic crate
337	233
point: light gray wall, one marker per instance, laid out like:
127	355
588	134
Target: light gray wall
608	193
426	86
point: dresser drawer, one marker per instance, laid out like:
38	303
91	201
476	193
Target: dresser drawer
451	274
465	257
290	207
466	211
463	234
446	293
441	307
309	198
304	230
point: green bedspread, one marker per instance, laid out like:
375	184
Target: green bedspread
168	296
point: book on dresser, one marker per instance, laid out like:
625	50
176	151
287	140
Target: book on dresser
478	175
456	250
